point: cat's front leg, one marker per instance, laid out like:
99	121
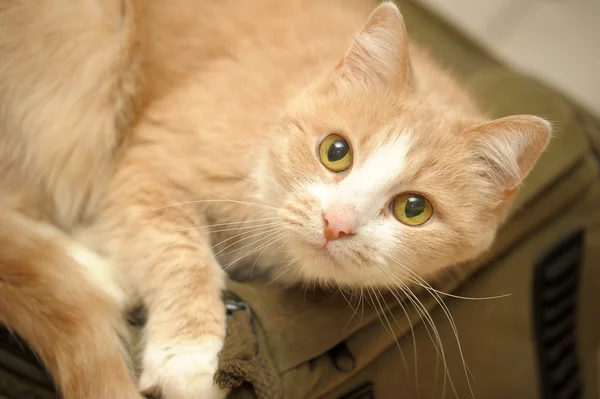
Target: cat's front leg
168	258
185	328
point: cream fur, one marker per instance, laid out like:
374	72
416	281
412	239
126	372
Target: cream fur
185	369
181	137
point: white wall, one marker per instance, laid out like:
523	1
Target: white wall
557	41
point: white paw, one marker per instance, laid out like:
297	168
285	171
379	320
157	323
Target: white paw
182	370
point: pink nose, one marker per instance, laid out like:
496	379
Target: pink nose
337	227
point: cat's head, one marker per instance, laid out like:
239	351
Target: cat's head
377	180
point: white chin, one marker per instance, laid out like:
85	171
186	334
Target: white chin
315	265
320	268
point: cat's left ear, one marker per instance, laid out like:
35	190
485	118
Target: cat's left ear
379	54
508	148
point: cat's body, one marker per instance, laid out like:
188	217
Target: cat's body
215	114
271	66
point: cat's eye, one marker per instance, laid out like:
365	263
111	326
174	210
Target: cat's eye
412	209
335	153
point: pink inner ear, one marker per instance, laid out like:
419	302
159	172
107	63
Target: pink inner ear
511	146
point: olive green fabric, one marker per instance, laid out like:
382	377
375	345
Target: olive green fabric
301	328
14	386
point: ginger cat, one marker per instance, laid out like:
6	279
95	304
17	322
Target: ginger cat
145	146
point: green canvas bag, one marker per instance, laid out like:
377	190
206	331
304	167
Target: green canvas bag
542	341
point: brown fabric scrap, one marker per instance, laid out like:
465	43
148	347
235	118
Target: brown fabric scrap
242	363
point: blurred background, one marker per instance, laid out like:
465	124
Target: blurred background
557	41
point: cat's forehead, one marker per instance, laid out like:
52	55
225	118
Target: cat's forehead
385	158
420	154
372	118
388	144
394	134
416	136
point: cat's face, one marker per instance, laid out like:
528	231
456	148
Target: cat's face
372	185
376	184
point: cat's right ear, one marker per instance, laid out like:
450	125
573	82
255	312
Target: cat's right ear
378	55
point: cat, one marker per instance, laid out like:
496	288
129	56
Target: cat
149	147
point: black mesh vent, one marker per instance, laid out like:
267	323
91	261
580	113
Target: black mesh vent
555	317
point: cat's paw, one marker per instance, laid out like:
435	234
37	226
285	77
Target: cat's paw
182	370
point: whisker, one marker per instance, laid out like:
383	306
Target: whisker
244	202
428	322
354	310
228	246
254	250
446	310
287	269
433	333
238	235
269	234
391	328
195	202
244	227
412	331
362	301
260	254
449	317
267	237
377	309
208	226
247	245
202	231
428	287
